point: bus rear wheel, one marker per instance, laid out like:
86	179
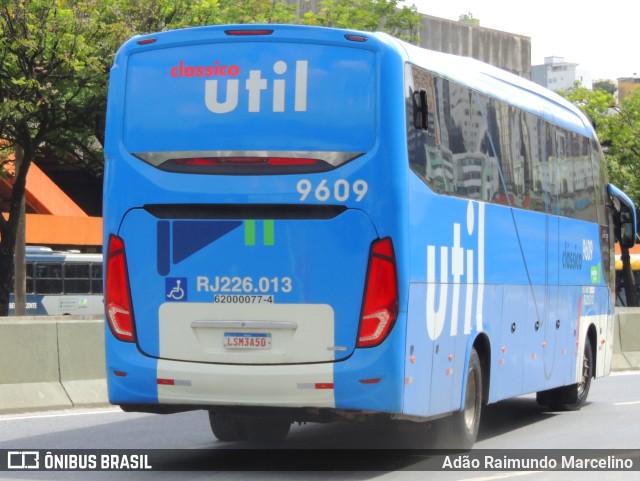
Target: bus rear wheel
460	430
227	428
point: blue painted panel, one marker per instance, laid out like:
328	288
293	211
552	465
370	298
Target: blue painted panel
531	243
34	306
303	261
385	362
137	379
507	364
579	254
570	299
237	96
418	355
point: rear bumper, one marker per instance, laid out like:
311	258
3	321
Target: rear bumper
242	385
371	379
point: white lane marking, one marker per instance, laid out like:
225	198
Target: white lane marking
503	476
627	403
42	415
624	373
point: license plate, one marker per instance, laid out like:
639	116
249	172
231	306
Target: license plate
247	340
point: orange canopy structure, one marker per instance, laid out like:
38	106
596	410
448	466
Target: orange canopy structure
53	218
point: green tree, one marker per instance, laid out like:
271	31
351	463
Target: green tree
52	82
468	19
55	57
622	138
618	128
368	15
605	85
596	104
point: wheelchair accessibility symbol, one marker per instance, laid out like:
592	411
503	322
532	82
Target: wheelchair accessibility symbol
176	289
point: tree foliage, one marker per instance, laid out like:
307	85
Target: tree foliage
52	76
606	85
367	15
618	128
55	57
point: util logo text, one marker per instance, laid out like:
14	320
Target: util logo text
462	262
255	85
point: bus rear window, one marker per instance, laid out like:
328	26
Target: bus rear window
247	108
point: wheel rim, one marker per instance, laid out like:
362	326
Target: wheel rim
586	373
471	401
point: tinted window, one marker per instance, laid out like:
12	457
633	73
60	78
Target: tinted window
48	277
96	278
482	148
76	278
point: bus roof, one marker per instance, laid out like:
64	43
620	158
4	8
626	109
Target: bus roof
500	84
472	73
46	254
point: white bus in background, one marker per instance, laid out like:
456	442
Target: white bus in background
62	283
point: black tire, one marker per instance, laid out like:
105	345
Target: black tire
574	396
226	428
460	430
588	369
267	430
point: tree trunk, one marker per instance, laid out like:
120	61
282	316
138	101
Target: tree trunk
20	262
7	243
9	227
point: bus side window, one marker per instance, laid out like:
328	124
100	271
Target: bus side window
30	288
48	277
96	278
76	278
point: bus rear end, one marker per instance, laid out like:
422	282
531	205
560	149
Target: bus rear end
249	225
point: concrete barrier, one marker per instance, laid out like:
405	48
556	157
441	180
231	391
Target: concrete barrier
82	361
51	363
626	342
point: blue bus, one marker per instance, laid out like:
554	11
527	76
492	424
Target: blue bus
62	283
309	224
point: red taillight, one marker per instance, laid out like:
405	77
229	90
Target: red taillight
265	161
380	306
246	32
233	162
356	38
147	41
117	299
292	161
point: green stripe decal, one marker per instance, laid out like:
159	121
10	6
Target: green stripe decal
268	233
249	232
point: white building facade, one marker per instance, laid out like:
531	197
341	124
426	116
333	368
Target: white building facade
556	74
